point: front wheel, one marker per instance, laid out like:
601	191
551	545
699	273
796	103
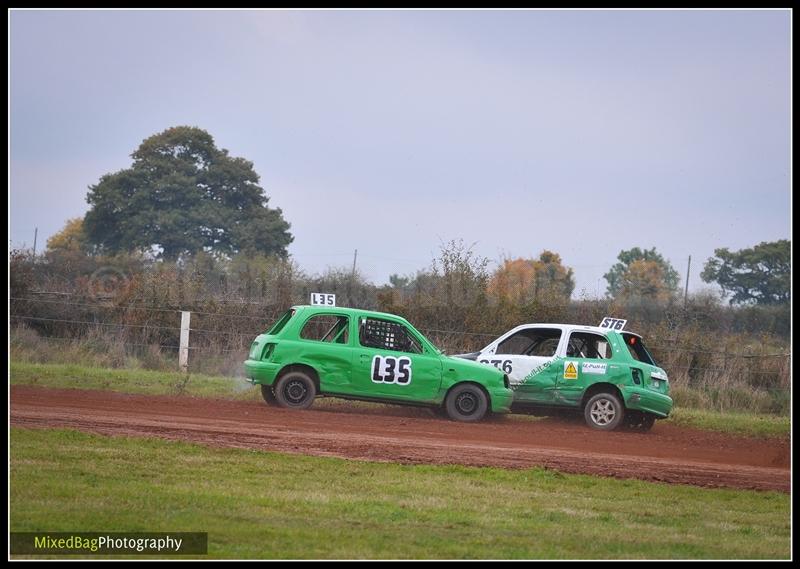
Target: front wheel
604	412
466	403
295	390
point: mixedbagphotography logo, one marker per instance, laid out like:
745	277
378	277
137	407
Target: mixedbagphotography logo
107	283
105	543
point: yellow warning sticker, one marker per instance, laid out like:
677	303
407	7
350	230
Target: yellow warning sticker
570	370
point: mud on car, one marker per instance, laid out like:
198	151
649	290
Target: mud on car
316	351
607	374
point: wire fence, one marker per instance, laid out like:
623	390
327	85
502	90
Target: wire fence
255	330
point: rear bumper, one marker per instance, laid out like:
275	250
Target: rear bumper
259	372
642	399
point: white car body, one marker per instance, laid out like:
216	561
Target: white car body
519	367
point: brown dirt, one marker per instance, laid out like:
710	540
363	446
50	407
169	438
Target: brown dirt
406	435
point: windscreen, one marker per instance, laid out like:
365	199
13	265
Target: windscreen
637	349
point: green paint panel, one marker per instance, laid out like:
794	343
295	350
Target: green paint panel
367	355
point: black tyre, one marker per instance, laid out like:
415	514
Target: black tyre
639	421
295	390
466	403
604	412
268	394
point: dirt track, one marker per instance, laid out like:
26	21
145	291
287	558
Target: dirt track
406	435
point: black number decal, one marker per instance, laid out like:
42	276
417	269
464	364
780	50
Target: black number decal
403	367
388	369
505	365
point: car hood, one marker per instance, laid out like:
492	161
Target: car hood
470	368
470	356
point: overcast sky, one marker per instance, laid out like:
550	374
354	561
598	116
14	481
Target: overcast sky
582	132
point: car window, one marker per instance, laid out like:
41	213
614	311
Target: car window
326	328
281	322
531	342
546	347
637	349
588	345
386	335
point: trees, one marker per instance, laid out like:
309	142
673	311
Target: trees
760	275
183	195
642	274
523	280
72	237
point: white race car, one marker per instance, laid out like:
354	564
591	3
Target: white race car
604	371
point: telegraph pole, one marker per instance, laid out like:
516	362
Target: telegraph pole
355	256
686	290
35	235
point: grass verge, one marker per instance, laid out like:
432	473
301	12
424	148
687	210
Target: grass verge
259	504
734	423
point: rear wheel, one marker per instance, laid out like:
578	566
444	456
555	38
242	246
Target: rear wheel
640	421
268	394
295	390
604	412
466	403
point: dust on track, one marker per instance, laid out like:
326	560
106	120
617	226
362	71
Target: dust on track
668	453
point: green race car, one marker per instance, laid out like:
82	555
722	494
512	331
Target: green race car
357	354
604	372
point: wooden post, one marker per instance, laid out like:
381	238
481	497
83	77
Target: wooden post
183	354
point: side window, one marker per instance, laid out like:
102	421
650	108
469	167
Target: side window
531	342
588	345
326	328
385	335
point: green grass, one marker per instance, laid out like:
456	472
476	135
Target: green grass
129	381
734	423
171	383
259	504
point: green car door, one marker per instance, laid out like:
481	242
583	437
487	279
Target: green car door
392	362
587	360
325	338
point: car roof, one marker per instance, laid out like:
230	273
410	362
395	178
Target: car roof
352	311
571	327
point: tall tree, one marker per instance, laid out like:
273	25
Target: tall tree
522	280
642	273
761	274
183	195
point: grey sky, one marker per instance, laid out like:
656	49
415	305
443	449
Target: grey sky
582	132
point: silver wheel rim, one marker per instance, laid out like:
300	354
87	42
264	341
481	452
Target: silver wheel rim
602	412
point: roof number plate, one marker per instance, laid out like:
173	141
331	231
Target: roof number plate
613	323
323	299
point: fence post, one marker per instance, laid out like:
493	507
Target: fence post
183	354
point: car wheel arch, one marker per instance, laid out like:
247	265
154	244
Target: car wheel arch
603	387
299	367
